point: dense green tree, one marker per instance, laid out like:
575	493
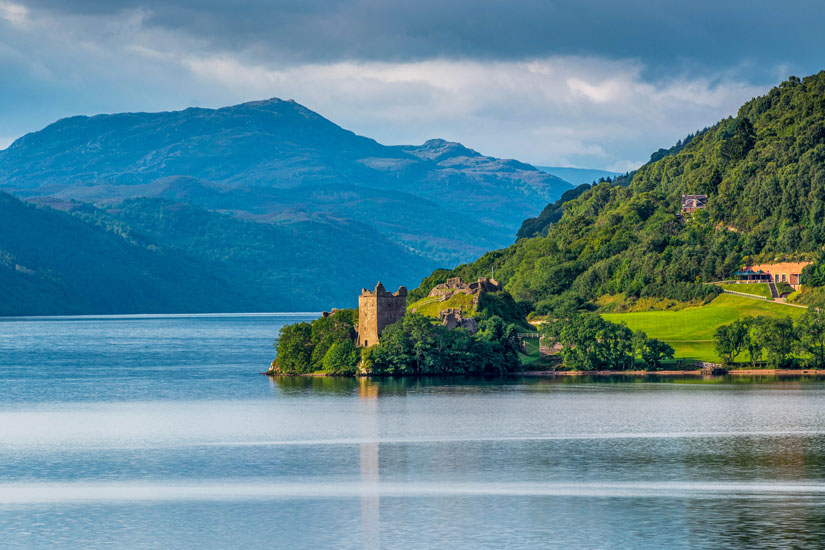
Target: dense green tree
341	358
814	274
294	346
752	343
731	340
303	347
812	335
778	338
738	138
329	329
655	351
591	343
638	343
416	346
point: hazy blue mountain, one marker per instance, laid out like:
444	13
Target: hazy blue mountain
277	160
153	255
578	176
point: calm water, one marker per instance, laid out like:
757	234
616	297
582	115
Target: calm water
160	433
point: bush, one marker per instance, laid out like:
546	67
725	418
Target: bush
341	358
303	347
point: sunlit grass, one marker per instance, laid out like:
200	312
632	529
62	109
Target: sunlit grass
690	330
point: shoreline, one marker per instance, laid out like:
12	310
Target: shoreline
605	373
695	372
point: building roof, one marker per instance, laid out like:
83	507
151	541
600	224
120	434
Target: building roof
694	201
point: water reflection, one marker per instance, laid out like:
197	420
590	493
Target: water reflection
370	500
303	385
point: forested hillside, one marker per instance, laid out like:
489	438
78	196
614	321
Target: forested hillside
764	172
155	256
55	263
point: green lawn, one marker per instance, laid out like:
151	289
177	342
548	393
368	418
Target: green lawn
690	330
758	289
430	306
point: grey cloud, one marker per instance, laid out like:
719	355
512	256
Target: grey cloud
611	83
753	35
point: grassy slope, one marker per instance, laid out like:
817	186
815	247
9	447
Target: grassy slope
431	306
690	330
809	296
758	289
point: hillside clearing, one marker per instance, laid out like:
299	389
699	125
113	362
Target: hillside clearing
432	305
690	330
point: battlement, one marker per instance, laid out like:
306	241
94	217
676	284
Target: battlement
378	309
381	291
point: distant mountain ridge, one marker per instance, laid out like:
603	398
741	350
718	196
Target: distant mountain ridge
271	159
154	256
263	206
578	176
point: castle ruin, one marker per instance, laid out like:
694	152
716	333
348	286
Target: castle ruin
455	285
453	318
377	309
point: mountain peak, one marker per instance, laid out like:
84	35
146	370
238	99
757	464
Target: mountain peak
271	102
438	149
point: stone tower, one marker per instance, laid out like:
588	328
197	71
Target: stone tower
378	309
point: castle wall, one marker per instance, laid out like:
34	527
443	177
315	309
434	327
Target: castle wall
377	310
367	320
390	309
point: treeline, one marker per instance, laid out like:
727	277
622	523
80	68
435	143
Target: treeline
775	342
326	344
416	346
591	343
412	346
813	274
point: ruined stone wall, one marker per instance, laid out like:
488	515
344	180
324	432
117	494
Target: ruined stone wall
455	286
453	318
391	308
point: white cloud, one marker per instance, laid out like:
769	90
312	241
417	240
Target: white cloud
16	14
561	110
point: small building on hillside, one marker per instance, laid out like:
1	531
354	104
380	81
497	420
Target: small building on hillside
692	203
750	276
378	309
781	272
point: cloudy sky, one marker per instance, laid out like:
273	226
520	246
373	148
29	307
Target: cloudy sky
590	83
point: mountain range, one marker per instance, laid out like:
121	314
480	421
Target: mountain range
277	160
263	206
